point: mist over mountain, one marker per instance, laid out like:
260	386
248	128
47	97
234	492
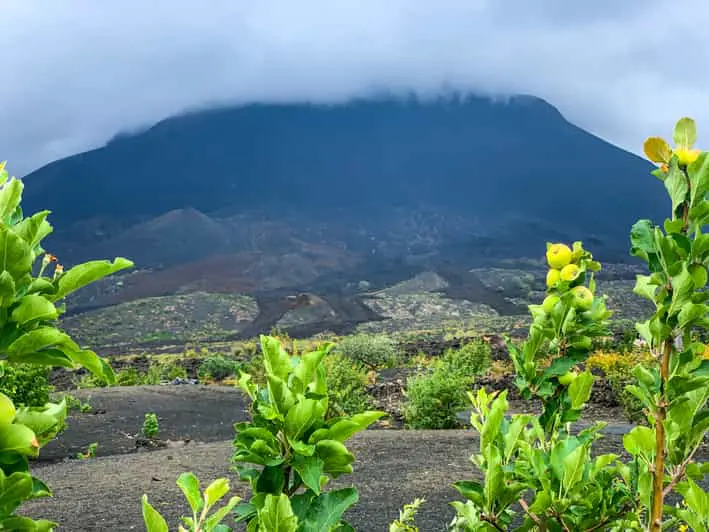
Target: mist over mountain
385	178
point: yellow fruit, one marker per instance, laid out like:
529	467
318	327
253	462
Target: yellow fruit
553	277
583	298
567	378
686	156
7	410
549	303
558	255
570	272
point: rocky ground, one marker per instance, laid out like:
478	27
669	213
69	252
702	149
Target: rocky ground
483	300
103	493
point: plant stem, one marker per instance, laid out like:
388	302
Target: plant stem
658	481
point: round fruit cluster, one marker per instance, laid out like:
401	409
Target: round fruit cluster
565	266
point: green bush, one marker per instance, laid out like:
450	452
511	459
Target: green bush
433	399
347	392
218	368
25	385
470	360
151	426
372	351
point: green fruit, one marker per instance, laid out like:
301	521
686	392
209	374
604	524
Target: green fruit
549	303
553	277
558	255
699	275
577	252
583	297
567	378
7	410
570	272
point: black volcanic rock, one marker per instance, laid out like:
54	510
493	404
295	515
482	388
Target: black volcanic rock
471	156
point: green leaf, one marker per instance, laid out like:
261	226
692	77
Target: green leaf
301	417
16	257
335	456
10	196
580	389
25	524
685	133
34	228
189	484
281	396
84	274
215	491
698	173
212	521
305	370
95	364
154	522
574	464
19	439
493	421
34	307
310	469
642	238
7	289
683	287
38	339
327	509
677	186
277	515
691	312
271	480
346	428
640	441
275	358
45	421
645	287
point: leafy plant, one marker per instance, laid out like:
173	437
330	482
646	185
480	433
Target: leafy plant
538	462
74	403
201	503
29	308
289	450
90	452
372	351
25	384
407	516
218	368
435	397
347	391
151	427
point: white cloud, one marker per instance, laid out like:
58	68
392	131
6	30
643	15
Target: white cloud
75	72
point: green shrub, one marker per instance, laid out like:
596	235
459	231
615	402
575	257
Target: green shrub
172	371
347	391
372	351
470	360
218	368
433	399
151	427
25	385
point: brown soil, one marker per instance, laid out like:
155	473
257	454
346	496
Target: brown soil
103	493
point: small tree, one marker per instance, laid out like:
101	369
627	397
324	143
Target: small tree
29	308
538	462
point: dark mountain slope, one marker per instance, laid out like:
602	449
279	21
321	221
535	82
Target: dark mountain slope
467	156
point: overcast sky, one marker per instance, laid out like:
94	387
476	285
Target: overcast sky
75	72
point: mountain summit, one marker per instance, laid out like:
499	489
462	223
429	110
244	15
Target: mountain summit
511	170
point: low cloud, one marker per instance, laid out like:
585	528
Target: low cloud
76	72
